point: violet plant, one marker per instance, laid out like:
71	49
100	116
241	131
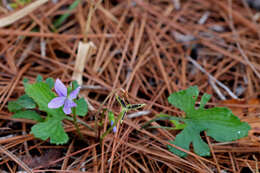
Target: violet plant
40	97
58	106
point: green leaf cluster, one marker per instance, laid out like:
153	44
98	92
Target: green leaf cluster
218	122
37	96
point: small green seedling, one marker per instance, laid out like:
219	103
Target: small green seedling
124	109
218	122
40	97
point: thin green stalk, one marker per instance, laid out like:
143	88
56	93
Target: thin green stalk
81	122
121	114
63	17
100	108
75	122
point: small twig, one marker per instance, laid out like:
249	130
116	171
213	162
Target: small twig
90	14
204	18
214	86
93	87
43	47
21	13
256	164
212	78
138	114
177	4
90	106
25	53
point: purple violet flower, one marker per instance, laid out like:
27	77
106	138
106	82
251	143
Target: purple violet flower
114	128
63	97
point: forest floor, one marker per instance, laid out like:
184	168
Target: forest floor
142	51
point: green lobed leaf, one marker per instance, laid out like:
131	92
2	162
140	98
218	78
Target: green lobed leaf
23	102
82	107
50	81
219	123
185	99
52	129
28	114
42	94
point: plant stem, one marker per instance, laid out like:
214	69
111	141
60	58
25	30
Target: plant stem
100	108
81	122
121	114
75	122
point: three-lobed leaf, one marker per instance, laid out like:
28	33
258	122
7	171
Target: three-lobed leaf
219	123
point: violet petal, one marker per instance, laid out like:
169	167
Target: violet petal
74	93
114	129
67	110
56	102
68	105
60	88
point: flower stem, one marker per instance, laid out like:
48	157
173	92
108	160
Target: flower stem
81	122
121	114
75	122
